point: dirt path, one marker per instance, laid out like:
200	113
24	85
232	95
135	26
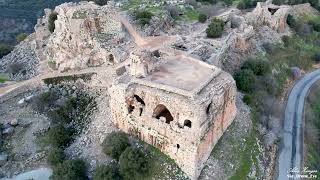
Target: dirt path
291	153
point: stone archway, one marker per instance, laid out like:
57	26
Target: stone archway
162	111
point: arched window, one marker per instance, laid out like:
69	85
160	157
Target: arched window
187	123
162	111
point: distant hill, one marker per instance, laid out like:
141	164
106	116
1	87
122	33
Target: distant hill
17	16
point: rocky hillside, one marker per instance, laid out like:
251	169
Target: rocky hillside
21	16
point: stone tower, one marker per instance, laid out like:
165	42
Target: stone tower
178	104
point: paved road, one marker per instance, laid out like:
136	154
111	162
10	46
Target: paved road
292	151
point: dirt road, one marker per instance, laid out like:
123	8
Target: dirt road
291	153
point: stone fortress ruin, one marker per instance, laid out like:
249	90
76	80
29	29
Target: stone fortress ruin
165	96
178	104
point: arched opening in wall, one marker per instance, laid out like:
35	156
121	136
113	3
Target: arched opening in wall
162	111
208	108
178	146
111	58
140	100
187	123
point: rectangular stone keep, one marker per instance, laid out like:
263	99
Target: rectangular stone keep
182	108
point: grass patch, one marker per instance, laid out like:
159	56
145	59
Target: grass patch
190	14
3	78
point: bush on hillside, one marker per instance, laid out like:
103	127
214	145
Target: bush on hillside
174	11
115	143
258	66
59	136
133	163
245	80
43	101
246	4
143	17
202	18
215	28
15	68
104	172
20	37
5	49
317	57
101	2
70	169
291	21
52	18
56	156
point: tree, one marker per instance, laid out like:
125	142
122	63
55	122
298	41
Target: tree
5	49
56	156
104	172
258	66
59	136
115	143
215	28
202	18
291	21
70	169
52	18
245	80
20	37
133	163
143	17
101	2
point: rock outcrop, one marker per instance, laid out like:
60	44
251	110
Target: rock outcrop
85	35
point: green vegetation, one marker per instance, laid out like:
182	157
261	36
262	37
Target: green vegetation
143	17
104	172
52	18
215	28
115	143
56	156
246	4
5	49
59	136
312	129
3	78
257	66
101	2
70	169
202	18
245	80
133	163
20	37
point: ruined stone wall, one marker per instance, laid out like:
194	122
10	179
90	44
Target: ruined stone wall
190	137
85	35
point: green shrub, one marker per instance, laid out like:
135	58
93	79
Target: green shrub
133	163
228	2
245	80
202	18
258	66
174	11
43	101
52	18
70	169
291	21
314	21
101	2
245	4
56	156
20	37
248	99
5	49
317	57
115	143
215	28
59	136
104	172
278	2
143	17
